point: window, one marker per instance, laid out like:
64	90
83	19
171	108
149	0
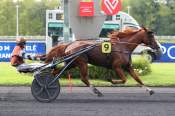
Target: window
55	31
109	18
107	29
105	32
59	16
50	16
117	17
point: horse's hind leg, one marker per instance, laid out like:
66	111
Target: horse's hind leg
84	78
136	77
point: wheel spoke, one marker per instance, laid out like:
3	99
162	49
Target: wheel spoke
48	93
40	91
45	80
52	87
39	83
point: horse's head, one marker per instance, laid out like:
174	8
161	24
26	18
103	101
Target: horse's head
149	40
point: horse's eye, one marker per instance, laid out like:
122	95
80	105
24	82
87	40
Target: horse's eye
150	33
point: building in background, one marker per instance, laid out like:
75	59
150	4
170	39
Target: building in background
54	26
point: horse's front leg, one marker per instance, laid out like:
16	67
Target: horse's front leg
119	71
136	77
84	78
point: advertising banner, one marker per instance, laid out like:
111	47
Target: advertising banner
111	7
87	8
6	49
168	52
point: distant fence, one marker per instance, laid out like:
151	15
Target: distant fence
43	38
166	37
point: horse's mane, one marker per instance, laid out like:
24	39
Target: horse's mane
123	34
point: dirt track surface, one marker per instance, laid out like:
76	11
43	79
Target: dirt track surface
18	101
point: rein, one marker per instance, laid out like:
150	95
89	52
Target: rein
125	51
131	43
127	43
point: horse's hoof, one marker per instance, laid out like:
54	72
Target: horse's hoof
151	92
97	92
100	94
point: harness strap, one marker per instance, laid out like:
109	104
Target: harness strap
126	52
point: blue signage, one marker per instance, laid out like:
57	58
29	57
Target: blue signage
6	49
168	52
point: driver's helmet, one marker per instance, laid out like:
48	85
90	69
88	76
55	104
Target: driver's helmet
21	41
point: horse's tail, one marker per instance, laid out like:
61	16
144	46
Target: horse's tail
56	52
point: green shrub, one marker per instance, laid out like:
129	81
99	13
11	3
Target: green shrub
100	73
141	65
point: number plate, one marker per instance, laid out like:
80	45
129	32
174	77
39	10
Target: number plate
106	47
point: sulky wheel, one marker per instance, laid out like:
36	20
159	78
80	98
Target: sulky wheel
43	90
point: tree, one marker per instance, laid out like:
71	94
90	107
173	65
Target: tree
31	16
7	18
156	16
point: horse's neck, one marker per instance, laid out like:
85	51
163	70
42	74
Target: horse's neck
134	41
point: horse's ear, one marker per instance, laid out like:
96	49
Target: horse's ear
144	28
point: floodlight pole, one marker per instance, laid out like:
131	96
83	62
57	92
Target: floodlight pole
129	7
66	31
17	20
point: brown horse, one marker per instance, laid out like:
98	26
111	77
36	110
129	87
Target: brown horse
123	44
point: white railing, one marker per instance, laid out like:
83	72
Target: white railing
43	38
29	38
165	37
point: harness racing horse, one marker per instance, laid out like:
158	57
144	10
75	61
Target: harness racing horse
123	44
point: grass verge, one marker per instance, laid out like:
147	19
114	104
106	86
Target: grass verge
163	74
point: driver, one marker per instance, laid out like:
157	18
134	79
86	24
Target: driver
18	56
